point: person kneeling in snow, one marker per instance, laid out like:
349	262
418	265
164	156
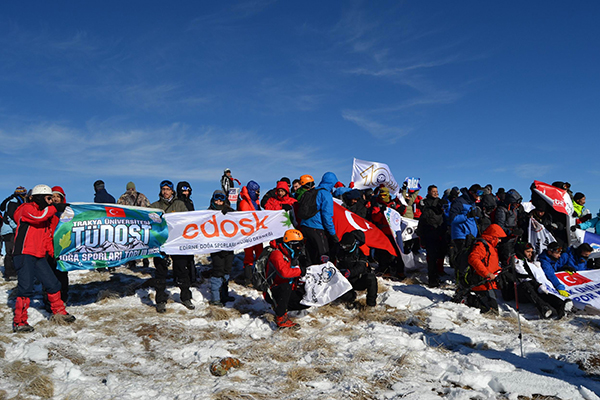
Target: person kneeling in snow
288	261
529	288
485	262
353	264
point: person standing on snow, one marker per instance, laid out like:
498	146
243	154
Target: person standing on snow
227	181
101	195
9	206
222	261
184	193
249	201
432	232
314	228
132	197
33	243
169	203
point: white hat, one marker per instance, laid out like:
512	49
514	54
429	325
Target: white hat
41	189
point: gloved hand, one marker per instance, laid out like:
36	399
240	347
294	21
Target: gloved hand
586	217
302	269
474	213
335	239
564	293
286	207
404	185
60	207
574	228
224	210
345	272
569	269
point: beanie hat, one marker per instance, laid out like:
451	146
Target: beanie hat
20	191
98	185
338	184
554	246
166	183
58	190
285	179
130	185
353	194
578	196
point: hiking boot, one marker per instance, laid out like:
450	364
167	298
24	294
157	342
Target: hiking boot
546	312
188	304
216	303
26	328
63	318
284	322
161	308
228	299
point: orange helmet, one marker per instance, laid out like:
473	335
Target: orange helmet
292	235
304	179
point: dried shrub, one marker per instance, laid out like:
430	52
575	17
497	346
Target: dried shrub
41	386
220	314
55	352
331	310
302	374
232	394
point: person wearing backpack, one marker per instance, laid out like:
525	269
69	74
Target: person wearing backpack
286	265
9	226
484	260
464	215
318	228
307	182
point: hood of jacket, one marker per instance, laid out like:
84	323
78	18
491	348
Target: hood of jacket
328	181
253	188
493	234
512	197
180	185
283	185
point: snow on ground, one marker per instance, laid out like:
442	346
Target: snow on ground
416	344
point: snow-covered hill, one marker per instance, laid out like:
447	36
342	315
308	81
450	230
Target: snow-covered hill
415	345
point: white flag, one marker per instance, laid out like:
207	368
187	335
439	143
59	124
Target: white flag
539	237
367	174
323	284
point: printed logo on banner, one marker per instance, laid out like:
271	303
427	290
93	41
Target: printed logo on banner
572	280
115	212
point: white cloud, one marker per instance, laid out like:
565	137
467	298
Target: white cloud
385	132
532	171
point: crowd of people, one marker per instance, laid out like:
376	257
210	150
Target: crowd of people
483	234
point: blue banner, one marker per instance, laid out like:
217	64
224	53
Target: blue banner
91	236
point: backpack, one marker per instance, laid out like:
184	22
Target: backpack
260	280
307	206
466	277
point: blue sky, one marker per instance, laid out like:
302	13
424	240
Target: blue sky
451	92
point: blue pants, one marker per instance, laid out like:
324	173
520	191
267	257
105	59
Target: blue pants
219	287
28	269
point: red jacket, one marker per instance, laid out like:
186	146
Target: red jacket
483	262
34	232
245	202
282	262
275	203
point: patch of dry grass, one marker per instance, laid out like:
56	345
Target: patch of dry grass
232	394
57	351
106	295
220	313
302	374
33	379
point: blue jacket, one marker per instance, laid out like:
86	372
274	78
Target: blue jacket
574	260
11	206
460	224
102	196
594	222
323	219
551	266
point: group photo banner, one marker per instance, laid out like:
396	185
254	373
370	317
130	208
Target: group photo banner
202	232
90	236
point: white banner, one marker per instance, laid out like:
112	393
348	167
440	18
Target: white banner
539	237
367	174
323	284
403	229
201	232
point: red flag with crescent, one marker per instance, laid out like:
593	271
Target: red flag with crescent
346	221
115	212
559	199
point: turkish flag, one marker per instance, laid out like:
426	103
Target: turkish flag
346	221
572	280
115	212
559	199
